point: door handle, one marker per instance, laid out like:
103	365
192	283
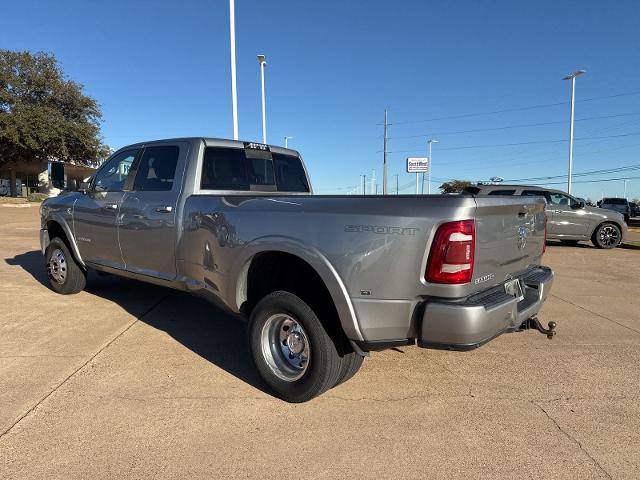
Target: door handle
164	209
111	206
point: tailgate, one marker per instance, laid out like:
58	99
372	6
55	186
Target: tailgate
509	238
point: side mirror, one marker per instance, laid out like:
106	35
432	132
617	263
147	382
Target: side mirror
83	187
578	205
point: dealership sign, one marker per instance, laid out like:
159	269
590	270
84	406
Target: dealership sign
417	165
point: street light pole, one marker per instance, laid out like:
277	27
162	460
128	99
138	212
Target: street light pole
263	63
396	175
572	77
286	141
384	171
232	42
429	142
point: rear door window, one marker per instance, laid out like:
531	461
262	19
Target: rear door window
537	193
157	168
502	192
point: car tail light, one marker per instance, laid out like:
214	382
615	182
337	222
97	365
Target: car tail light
452	251
544	243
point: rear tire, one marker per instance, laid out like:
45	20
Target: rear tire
290	348
351	363
607	236
64	274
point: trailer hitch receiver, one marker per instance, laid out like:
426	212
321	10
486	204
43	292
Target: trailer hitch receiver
534	323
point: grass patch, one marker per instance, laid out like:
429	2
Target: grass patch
37	197
631	245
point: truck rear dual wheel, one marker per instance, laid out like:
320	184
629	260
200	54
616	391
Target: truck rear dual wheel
64	274
292	351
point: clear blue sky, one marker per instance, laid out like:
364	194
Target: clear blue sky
161	68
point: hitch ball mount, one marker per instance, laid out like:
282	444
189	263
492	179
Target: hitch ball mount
534	323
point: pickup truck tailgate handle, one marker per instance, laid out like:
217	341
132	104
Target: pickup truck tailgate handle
164	209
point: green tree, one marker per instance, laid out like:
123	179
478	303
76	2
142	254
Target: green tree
455	186
44	115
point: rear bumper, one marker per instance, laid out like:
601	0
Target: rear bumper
472	322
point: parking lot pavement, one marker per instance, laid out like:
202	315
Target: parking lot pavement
128	380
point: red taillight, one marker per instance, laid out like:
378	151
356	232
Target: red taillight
451	256
544	243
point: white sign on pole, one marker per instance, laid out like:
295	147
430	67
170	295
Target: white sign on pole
417	164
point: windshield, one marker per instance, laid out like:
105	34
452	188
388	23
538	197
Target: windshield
615	201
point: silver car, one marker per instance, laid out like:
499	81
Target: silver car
569	219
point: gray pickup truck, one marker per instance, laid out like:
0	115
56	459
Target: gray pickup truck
322	279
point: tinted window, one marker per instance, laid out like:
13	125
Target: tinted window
246	169
111	177
157	168
559	199
259	168
502	192
290	175
536	193
615	201
224	169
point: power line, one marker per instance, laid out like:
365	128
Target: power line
533	142
506	127
515	109
582	174
592	181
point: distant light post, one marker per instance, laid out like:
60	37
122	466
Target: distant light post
429	142
263	63
572	77
232	42
286	141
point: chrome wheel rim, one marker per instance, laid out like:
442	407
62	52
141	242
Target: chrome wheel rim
57	267
285	347
609	236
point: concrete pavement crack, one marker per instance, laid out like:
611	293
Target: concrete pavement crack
594	313
100	350
573	439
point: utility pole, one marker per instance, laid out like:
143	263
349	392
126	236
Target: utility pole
384	172
572	77
263	63
373	181
234	93
625	188
364	184
286	141
429	142
396	175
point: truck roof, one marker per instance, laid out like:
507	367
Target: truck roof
220	142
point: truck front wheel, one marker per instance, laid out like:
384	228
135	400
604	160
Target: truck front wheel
291	349
64	274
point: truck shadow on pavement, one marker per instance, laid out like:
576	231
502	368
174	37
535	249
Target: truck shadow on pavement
203	328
